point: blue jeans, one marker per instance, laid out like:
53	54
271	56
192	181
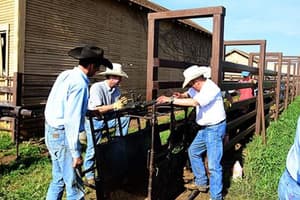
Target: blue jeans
288	188
63	173
89	159
210	139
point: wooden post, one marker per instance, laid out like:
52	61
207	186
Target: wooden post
294	82
278	85
152	74
217	48
17	94
260	117
298	74
287	85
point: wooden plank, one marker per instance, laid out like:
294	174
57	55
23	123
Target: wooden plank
234	67
4	89
189	13
234	85
164	63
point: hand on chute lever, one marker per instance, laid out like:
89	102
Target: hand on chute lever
119	104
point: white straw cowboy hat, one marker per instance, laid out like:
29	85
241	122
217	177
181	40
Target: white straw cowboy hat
194	72
115	71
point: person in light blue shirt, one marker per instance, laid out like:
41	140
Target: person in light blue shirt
289	184
64	119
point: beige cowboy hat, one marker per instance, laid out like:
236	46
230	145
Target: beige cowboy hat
115	71
194	72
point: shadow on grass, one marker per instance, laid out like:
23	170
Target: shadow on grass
21	163
229	159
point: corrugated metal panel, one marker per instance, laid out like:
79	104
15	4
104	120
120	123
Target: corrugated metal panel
8	16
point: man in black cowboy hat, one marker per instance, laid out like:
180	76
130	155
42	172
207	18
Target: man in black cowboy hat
64	120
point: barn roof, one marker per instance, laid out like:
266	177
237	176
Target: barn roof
157	8
240	52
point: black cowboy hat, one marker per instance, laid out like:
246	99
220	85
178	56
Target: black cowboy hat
92	53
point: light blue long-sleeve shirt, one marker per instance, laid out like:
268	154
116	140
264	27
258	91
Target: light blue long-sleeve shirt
67	105
293	157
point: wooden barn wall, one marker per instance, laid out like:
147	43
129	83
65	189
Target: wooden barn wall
8	22
189	44
54	27
8	16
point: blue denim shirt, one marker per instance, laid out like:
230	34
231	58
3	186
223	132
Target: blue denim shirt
293	157
67	104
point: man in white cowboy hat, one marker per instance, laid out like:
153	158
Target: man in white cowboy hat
206	96
104	97
64	120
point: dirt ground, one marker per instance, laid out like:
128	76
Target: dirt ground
5	160
122	195
229	158
187	194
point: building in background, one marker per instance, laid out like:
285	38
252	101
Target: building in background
37	34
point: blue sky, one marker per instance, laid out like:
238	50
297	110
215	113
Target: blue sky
276	21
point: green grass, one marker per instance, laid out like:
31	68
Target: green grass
5	141
28	178
264	164
25	178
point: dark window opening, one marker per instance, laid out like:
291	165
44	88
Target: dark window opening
3	44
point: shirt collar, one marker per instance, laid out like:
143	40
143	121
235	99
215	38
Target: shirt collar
111	90
84	76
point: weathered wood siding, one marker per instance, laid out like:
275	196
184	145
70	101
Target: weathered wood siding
54	27
8	22
8	16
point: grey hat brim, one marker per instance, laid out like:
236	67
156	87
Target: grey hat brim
123	74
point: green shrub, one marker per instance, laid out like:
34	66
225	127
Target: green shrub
5	141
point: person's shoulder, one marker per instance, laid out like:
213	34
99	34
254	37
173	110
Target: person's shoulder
212	83
65	73
77	79
98	84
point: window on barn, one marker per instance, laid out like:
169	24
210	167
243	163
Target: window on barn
3	49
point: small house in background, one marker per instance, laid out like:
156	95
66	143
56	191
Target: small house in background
37	34
239	57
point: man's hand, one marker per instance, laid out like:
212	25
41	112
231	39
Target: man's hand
177	95
124	100
77	162
163	99
120	103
